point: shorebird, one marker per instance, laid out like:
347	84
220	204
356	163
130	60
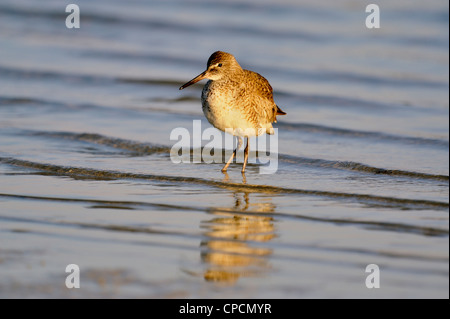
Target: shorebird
236	101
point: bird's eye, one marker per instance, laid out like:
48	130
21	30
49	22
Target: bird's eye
219	65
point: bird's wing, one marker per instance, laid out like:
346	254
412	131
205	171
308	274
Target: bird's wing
261	91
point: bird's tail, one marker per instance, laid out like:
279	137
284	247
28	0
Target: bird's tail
279	111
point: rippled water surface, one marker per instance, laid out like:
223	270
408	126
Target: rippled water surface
86	175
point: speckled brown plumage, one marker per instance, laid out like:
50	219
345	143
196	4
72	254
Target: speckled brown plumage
235	100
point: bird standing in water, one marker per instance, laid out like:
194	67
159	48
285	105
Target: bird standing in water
236	101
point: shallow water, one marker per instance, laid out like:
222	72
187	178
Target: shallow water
86	175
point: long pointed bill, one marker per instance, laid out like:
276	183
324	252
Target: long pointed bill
199	77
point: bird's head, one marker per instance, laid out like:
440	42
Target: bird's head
220	65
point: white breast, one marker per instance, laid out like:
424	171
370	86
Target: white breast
221	108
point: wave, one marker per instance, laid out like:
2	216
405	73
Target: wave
293	98
95	174
373	80
4	100
300	127
136	149
143	149
349	102
313	128
359	167
27	74
81	78
111	204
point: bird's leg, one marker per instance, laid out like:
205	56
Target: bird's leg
224	169
245	155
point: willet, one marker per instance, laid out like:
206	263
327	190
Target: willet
236	101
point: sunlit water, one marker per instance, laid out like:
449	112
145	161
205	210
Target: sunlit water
87	178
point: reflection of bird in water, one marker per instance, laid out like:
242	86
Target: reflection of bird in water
236	101
227	252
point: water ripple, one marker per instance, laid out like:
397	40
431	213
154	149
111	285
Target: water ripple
427	231
79	172
143	149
